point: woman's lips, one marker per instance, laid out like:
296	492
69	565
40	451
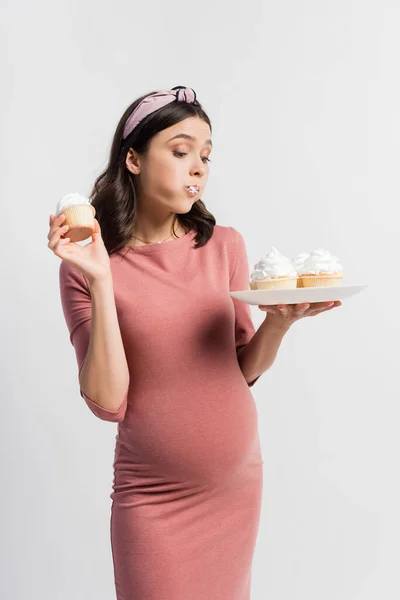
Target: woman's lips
193	190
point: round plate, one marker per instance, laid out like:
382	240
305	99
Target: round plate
298	295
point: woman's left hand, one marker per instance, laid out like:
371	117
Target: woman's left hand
284	315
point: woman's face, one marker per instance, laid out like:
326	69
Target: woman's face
177	158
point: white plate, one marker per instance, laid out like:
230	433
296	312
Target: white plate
298	295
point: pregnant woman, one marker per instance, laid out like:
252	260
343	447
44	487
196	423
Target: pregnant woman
164	350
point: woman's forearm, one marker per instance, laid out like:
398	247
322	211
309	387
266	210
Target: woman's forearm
260	353
104	376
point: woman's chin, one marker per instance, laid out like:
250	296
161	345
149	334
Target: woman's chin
182	208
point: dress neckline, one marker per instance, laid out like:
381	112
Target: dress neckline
166	246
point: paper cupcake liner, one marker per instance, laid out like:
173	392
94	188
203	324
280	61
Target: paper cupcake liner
273	284
80	220
79	215
321	280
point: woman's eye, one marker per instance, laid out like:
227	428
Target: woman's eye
180	154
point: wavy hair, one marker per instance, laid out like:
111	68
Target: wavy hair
113	194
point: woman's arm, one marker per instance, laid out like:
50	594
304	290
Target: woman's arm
260	352
104	375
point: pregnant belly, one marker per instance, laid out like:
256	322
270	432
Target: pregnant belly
195	438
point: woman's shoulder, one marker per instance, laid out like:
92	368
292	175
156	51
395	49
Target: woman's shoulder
229	241
226	234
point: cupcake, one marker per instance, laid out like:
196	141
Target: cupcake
320	269
275	271
79	216
298	262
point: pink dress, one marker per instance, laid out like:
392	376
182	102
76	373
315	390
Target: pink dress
188	472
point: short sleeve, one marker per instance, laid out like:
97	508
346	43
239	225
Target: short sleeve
77	307
244	327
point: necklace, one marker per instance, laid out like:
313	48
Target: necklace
160	242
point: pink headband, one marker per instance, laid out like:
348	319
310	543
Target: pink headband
155	101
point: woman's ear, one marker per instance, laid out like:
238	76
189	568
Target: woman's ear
132	162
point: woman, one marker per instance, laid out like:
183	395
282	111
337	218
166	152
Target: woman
164	350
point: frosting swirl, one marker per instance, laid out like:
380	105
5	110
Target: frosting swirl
299	260
320	261
273	265
70	199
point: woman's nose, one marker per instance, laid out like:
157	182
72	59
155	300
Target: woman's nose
198	169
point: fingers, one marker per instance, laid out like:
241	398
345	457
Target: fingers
54	222
56	231
325	307
284	307
329	307
321	305
318	306
56	239
96	231
289	309
299	309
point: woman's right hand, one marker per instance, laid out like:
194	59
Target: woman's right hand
92	259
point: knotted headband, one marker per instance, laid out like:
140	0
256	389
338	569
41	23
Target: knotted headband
155	101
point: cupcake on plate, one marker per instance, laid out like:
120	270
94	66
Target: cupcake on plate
320	269
79	216
298	262
275	271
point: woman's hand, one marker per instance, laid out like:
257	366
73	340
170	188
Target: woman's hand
284	315
92	259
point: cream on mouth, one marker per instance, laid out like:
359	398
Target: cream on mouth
192	189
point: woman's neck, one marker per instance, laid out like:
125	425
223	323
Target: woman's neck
143	236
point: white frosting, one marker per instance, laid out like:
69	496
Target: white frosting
299	260
273	265
320	261
70	199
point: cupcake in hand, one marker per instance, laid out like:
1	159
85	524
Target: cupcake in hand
79	216
320	269
275	271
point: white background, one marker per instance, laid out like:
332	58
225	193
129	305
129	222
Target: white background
304	99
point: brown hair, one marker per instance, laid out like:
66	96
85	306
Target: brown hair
113	194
